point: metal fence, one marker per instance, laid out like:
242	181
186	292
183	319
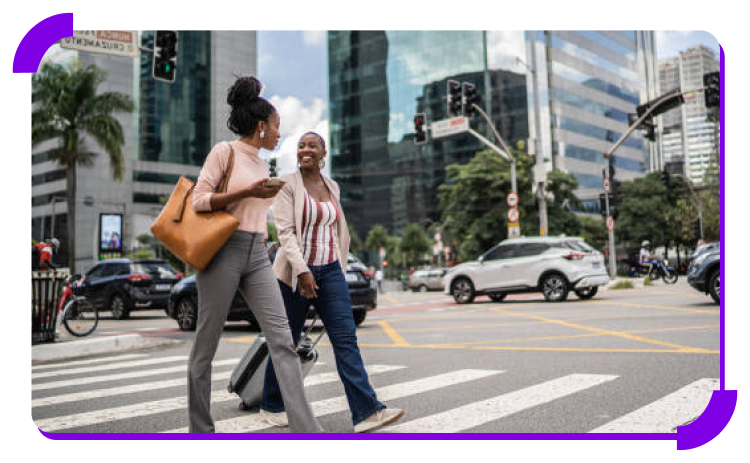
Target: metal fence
46	290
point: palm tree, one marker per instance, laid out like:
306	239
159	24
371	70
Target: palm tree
67	107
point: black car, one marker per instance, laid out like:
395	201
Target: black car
183	300
124	285
704	273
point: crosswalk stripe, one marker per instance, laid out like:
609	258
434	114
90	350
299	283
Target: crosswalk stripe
667	413
86	362
119	376
253	422
161	406
152	386
478	413
111	366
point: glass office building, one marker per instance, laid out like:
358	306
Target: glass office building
583	83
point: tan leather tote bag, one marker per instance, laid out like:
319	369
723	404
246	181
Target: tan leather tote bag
194	237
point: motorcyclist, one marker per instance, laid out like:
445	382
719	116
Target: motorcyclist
645	258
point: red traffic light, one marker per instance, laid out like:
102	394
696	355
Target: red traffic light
385	263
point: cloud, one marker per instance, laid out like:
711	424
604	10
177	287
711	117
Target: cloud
502	49
296	119
313	38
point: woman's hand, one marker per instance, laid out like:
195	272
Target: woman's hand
260	190
307	285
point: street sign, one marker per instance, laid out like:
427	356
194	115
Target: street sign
512	215
512	199
382	253
610	223
514	231
116	43
606	185
448	127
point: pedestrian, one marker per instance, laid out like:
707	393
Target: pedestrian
45	250
379	280
242	263
314	244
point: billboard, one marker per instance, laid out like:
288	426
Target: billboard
110	233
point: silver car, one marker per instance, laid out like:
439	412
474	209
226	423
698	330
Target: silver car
425	280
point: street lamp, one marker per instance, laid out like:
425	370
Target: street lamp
54	200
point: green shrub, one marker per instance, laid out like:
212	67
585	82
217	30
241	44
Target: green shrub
622	284
647	282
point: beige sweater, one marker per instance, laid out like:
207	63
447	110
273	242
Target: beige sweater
287	211
248	168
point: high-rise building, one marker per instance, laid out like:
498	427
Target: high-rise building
689	136
584	84
169	135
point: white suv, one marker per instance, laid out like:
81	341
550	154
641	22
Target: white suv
552	265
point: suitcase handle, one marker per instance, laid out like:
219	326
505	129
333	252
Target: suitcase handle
309	330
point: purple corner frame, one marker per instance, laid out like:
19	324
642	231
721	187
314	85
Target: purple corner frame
28	56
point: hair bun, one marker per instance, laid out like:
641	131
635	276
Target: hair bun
245	90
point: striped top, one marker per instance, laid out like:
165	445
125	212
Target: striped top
318	231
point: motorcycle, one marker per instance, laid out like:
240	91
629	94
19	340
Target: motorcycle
660	269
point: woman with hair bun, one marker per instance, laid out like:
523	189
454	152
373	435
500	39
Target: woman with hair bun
242	263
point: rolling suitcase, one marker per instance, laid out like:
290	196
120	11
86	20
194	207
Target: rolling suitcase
248	376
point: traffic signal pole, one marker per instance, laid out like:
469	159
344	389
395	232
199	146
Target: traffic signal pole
611	151
504	152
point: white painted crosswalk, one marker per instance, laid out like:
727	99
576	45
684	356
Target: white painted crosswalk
71	396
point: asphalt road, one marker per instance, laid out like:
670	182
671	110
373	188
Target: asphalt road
640	360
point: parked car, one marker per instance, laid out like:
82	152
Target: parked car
550	265
704	274
427	279
702	250
124	285
183	300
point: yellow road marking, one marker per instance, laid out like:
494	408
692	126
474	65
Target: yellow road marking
243	339
656	306
538	349
608	332
393	334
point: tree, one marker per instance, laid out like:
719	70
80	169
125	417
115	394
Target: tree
414	244
643	209
594	232
474	209
377	238
273	236
355	242
67	107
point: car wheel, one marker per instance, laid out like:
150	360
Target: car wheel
118	308
555	287
423	288
714	286
359	316
587	293
462	291
497	297
186	314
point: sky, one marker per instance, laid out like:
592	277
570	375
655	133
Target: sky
293	66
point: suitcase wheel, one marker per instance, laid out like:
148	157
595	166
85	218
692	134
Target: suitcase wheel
230	389
243	406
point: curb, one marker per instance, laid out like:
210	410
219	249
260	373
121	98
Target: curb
88	347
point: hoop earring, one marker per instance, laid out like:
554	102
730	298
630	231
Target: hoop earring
262	134
322	164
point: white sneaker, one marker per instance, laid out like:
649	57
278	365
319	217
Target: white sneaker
379	419
275	419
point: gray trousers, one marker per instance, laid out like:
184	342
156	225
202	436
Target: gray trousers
242	263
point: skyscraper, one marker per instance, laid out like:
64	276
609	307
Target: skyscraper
689	136
584	84
169	134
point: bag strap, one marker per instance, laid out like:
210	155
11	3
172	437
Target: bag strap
224	184
220	188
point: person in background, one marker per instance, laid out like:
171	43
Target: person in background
45	253
379	280
645	258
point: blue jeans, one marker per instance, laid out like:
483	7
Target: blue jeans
333	306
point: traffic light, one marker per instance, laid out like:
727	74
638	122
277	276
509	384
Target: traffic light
649	132
454	98
697	229
165	56
420	131
613	201
468	99
712	91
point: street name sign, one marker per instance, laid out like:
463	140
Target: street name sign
450	126
115	43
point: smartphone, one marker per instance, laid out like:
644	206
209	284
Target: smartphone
274	182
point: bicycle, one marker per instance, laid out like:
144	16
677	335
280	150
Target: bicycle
79	317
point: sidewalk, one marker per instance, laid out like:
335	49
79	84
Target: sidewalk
61	350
